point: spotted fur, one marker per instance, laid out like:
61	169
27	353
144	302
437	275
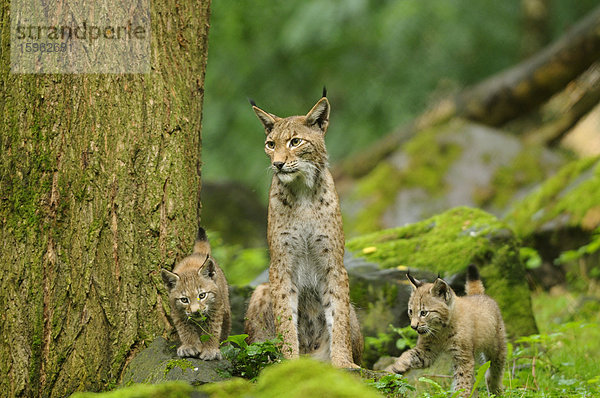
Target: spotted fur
308	285
462	326
199	299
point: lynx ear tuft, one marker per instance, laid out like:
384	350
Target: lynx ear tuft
324	91
415	282
169	278
267	119
319	115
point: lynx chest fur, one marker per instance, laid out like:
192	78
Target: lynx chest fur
308	290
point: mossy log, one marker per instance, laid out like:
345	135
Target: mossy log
99	188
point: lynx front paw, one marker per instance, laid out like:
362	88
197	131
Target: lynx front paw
396	368
209	354
187	350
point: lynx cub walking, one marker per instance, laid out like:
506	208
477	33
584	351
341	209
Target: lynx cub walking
199	299
307	300
462	326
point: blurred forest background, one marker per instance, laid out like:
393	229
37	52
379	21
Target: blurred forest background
383	62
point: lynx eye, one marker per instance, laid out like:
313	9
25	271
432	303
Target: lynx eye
202	296
409	312
270	144
294	142
423	313
184	300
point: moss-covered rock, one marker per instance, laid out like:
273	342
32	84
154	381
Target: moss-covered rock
459	163
570	199
159	363
444	244
299	378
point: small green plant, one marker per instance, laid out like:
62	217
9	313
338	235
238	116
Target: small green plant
201	323
248	360
391	385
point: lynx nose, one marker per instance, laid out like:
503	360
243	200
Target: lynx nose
415	327
278	165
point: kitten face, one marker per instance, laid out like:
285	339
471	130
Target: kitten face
429	307
194	295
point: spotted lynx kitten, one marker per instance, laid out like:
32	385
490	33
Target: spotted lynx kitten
462	326
199	299
307	299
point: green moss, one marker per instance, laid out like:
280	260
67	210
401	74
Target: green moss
309	378
166	390
429	157
179	363
236	387
447	244
525	169
573	194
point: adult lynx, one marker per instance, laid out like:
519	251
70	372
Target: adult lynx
307	299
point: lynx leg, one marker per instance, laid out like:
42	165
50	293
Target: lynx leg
464	375
337	317
416	358
493	376
285	309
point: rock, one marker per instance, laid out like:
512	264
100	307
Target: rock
561	216
159	363
459	163
444	244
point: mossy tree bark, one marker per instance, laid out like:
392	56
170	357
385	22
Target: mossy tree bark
99	188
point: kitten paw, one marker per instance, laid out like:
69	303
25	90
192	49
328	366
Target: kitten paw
187	350
210	354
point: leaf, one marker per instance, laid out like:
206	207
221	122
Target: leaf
480	376
238	339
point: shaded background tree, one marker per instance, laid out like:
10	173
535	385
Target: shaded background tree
99	188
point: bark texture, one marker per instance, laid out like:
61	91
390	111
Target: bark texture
99	188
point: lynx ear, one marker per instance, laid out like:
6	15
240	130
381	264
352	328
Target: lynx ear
208	268
319	115
169	278
416	283
441	289
267	119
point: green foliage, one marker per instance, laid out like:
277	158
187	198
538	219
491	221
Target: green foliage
391	385
282	52
240	265
248	360
530	257
591	248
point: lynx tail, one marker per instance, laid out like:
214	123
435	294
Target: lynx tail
202	246
474	284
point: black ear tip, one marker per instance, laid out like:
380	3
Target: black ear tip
324	91
251	102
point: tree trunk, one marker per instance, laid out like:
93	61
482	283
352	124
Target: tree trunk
99	188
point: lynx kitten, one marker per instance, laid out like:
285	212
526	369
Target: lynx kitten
307	299
199	299
462	326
